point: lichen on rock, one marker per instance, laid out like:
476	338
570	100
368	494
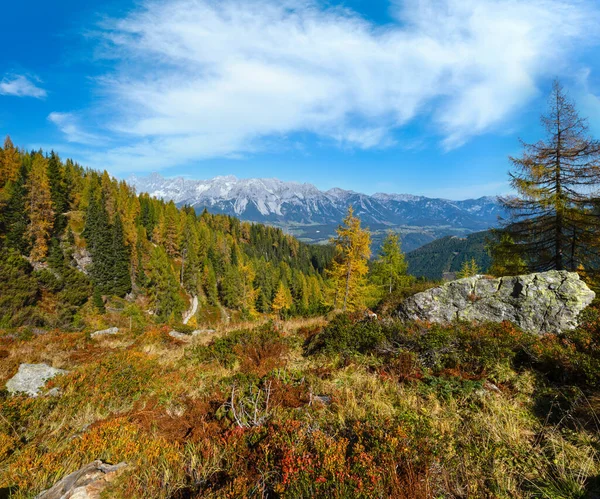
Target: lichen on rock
547	302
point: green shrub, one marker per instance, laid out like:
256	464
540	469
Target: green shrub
18	289
345	334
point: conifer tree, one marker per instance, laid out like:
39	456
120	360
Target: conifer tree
506	260
469	269
13	215
349	268
58	192
390	267
283	299
190	278
120	255
164	288
100	243
209	283
9	162
552	223
39	208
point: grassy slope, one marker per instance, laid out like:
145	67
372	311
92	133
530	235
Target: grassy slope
430	418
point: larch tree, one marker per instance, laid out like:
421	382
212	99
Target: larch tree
390	267
39	208
283	299
556	179
469	269
9	162
350	266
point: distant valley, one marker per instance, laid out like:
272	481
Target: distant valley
312	215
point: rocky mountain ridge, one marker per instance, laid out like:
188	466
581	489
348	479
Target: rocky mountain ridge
276	201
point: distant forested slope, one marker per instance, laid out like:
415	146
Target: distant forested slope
448	255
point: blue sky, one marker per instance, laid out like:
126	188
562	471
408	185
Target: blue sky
423	96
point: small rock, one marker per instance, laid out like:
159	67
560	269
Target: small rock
110	330
31	378
55	392
86	483
179	336
202	331
320	399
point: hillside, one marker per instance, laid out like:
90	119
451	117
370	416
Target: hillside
353	409
448	255
74	240
312	215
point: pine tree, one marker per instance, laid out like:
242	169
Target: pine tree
39	208
390	267
552	223
353	248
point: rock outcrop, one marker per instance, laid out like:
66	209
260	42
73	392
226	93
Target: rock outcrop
31	378
104	332
86	483
548	302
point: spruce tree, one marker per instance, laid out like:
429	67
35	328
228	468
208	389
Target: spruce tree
58	193
121	277
13	215
100	243
164	287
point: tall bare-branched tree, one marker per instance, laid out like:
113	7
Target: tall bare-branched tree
552	218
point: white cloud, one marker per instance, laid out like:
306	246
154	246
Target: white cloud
197	78
20	86
588	100
68	123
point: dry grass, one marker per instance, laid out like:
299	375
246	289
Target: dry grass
340	427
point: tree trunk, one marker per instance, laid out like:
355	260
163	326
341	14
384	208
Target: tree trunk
347	288
558	236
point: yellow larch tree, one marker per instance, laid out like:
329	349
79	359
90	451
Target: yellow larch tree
9	162
283	299
350	266
39	208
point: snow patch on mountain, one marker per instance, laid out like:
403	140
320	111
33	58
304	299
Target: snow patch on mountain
272	200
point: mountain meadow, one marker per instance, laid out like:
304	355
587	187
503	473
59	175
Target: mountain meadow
150	350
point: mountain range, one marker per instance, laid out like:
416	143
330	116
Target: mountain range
312	214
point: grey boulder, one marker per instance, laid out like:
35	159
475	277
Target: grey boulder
86	483
104	332
547	302
31	378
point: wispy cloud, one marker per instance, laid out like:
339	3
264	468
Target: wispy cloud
196	79
69	124
20	86
589	100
